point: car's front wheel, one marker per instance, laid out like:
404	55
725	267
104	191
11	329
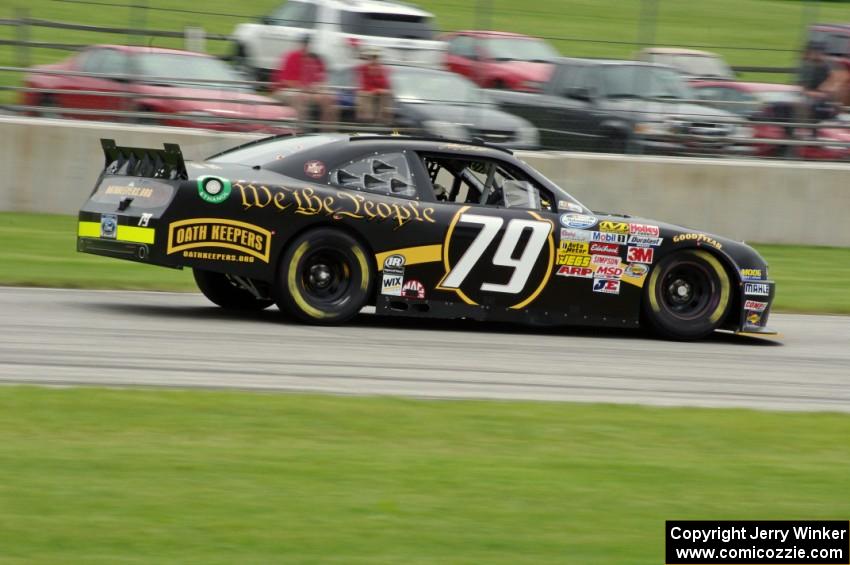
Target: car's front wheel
232	293
687	295
325	277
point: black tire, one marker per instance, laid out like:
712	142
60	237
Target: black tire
324	277
224	291
687	295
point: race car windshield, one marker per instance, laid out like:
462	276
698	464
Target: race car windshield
518	49
434	87
175	69
637	81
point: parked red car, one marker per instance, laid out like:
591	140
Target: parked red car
157	79
495	59
758	102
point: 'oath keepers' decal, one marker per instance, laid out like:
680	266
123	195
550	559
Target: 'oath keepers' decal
250	241
485	254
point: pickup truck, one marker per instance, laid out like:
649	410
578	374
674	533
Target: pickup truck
624	106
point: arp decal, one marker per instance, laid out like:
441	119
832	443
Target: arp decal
248	240
640	255
614	227
506	258
757	289
571	271
578	221
606	286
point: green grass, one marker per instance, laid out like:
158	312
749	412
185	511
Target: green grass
39	250
751	32
103	476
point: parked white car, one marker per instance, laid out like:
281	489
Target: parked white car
400	32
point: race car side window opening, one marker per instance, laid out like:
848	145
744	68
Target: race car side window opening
380	173
484	182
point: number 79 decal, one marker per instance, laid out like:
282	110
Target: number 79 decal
532	262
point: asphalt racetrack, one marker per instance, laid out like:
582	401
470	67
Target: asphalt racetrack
71	337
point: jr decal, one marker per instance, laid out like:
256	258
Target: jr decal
519	265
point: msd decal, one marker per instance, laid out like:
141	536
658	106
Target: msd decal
608	272
644	230
640	255
608	286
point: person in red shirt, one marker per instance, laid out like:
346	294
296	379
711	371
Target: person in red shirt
300	82
373	92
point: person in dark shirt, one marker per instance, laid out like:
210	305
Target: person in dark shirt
814	79
300	82
373	90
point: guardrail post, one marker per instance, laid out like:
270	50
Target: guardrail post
22	34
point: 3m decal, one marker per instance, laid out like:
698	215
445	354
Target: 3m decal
645	230
640	255
699	238
751	273
755	306
214	190
614	227
391	285
108	226
524	256
570	234
757	289
199	233
341	206
413	289
645	241
604	249
578	221
604	237
607	286
569	271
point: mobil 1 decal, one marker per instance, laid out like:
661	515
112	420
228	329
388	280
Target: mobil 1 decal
497	257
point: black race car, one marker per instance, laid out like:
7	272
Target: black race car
323	225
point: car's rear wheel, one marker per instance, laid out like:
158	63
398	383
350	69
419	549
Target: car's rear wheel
687	295
324	277
233	293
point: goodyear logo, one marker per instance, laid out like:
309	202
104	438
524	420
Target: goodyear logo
198	233
699	238
614	227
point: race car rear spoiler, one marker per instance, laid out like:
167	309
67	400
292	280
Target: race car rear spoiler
138	162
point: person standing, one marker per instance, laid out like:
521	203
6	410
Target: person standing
300	82
373	90
813	78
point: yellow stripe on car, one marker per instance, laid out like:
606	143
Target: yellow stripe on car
413	255
130	234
